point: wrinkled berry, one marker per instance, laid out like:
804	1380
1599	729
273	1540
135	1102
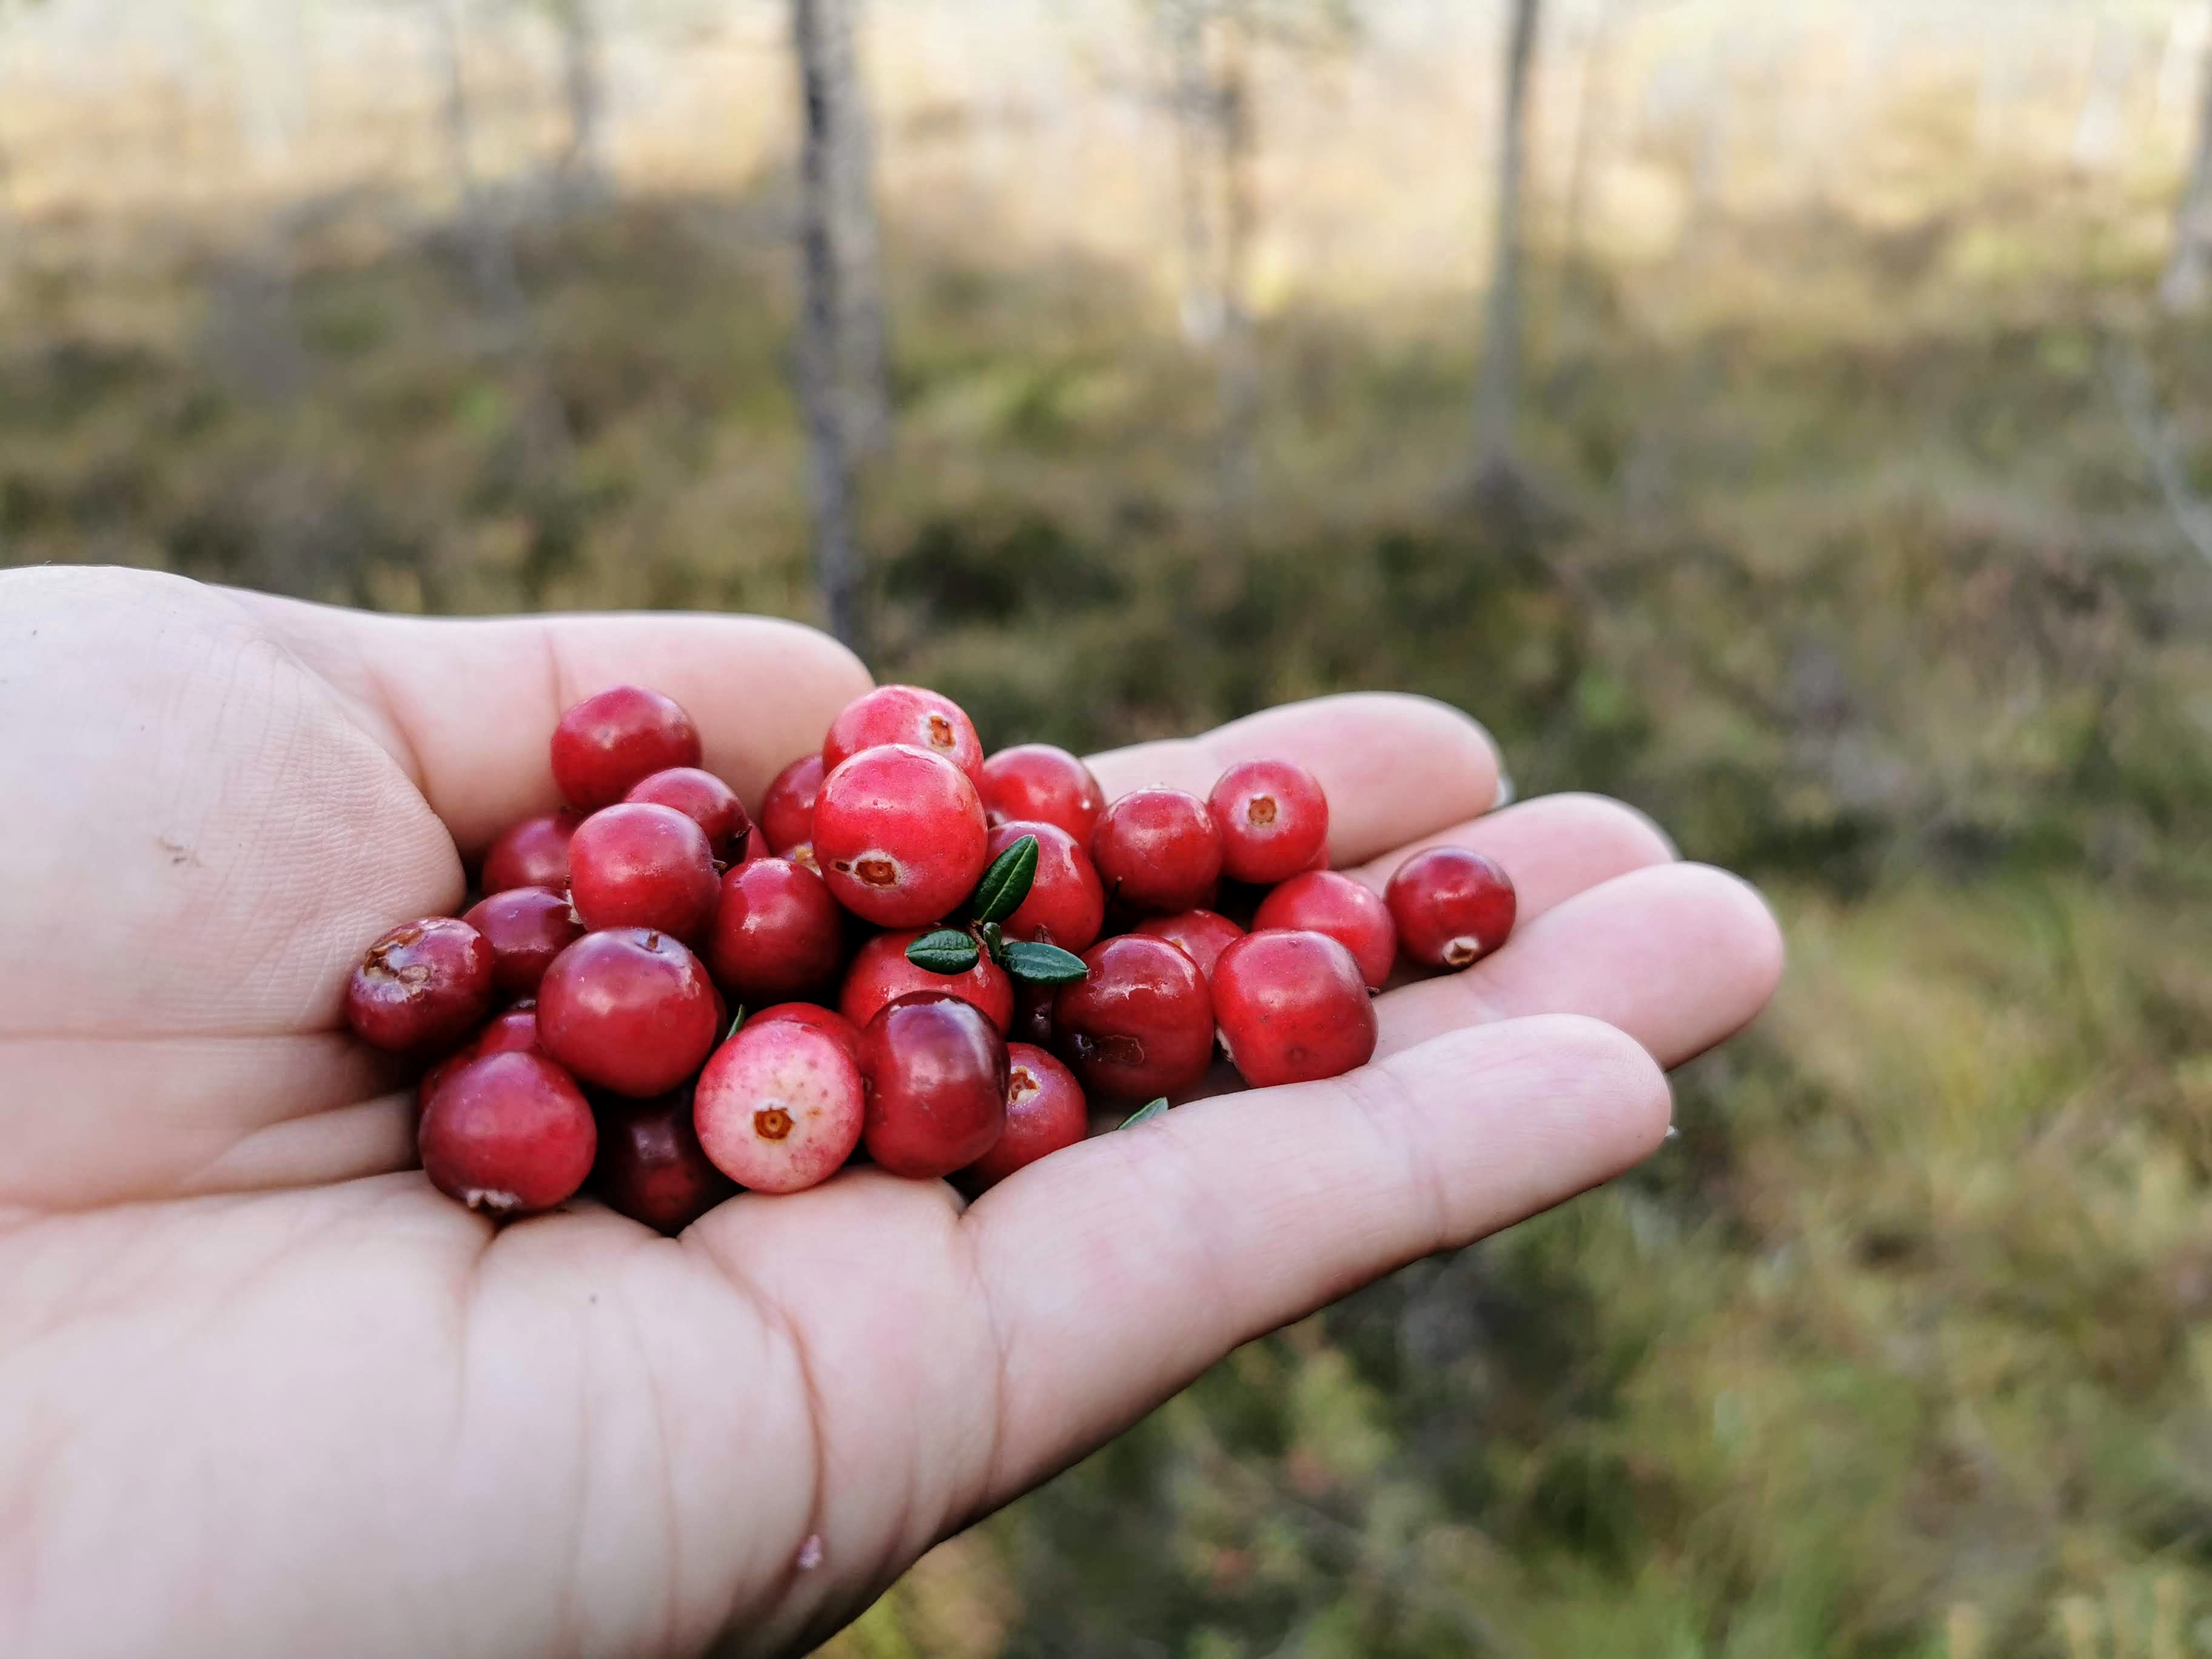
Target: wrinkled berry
778	1107
1323	902
421	987
900	836
1036	783
1292	1008
641	865
1066	905
1157	850
1198	934
532	853
1453	906
526	927
904	714
880	973
777	933
1045	1112
1141	1024
707	801
609	744
651	1166
786	814
937	1086
630	1009
508	1134
1273	818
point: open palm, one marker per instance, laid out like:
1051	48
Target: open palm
263	1391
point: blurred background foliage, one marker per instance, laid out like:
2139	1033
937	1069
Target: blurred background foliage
1855	531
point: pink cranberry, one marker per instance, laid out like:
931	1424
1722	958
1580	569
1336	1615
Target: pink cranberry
508	1134
778	1107
880	973
1273	819
786	814
630	1009
1156	849
1036	783
1045	1112
526	927
421	987
651	1166
707	801
1453	906
532	853
937	1086
609	744
514	1032
1141	1024
1292	1008
1066	906
640	865
1323	902
899	835
904	714
827	1021
1198	934
777	934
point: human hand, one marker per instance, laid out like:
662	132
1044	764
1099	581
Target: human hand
263	1391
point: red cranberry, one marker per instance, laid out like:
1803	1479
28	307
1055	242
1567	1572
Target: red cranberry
421	987
1141	1024
904	714
1036	783
1045	1111
786	814
880	973
533	853
609	744
1273	819
1323	902
1198	934
778	933
630	1009
1032	1014
651	1166
900	836
827	1021
1452	907
508	1134
1066	906
707	801
514	1032
779	1106
526	927
1156	849
640	865
937	1086
1292	1008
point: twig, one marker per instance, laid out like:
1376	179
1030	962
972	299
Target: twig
2152	434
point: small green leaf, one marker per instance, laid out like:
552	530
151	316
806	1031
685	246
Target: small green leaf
994	942
1154	1110
737	1020
1044	964
1006	882
948	951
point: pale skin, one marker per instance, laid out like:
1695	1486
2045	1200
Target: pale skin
264	1392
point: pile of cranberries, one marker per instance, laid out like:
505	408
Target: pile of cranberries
915	953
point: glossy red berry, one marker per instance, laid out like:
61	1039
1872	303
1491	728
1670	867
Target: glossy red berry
1351	913
900	836
1066	904
1292	1008
508	1134
827	1021
777	933
532	853
904	714
1452	906
651	1166
526	927
937	1086
1157	850
1198	934
513	1032
1045	1112
786	814
630	1010
1141	1024
420	987
641	865
609	744
1273	819
779	1106
707	801
1036	783
880	973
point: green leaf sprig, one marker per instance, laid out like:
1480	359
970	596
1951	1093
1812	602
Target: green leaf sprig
952	952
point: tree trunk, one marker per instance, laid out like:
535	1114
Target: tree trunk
1191	102
2188	282
1589	103
1498	396
1238	369
583	164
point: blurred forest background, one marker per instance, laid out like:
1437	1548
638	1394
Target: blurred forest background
1794	419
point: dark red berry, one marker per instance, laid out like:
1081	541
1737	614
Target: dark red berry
1141	1024
526	927
786	814
1452	907
707	801
937	1086
1036	783
512	1032
1066	906
1045	1112
1273	819
880	973
609	744
508	1134
827	1021
651	1166
900	836
1198	934
421	987
1353	915
533	853
1156	849
630	1010
777	934
1032	1014
1292	1008
641	865
779	1106
904	714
